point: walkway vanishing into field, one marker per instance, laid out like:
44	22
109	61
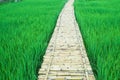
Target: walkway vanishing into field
66	58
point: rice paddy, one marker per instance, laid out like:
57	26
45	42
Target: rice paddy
99	21
25	30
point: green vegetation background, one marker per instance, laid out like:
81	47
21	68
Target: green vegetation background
99	21
25	30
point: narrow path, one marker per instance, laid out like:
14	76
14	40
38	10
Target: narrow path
66	58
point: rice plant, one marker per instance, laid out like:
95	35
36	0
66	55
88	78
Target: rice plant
99	22
25	30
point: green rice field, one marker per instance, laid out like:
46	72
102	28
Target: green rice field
25	30
99	21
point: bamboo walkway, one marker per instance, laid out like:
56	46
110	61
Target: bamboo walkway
66	58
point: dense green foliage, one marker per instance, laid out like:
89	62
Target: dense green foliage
6	1
99	21
25	30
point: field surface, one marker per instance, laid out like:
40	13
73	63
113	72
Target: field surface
25	30
99	21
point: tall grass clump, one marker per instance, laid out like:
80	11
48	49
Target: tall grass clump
99	22
25	30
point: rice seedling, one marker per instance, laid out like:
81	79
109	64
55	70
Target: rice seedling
25	30
99	22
